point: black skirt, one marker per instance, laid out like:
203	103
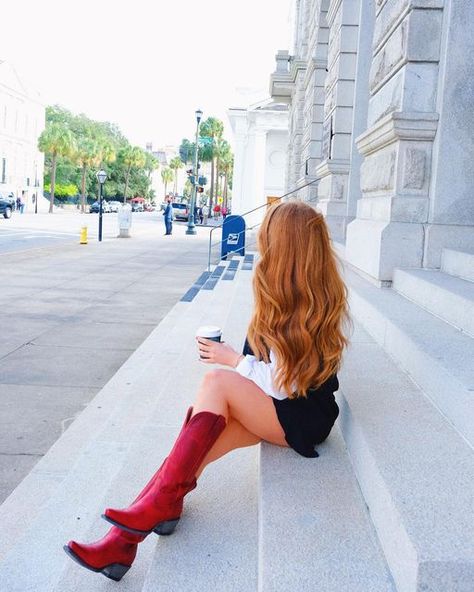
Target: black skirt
307	421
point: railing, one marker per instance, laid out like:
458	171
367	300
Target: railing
211	244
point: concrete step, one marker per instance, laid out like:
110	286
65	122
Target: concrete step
317	505
110	452
315	529
458	263
415	471
218	536
449	298
437	356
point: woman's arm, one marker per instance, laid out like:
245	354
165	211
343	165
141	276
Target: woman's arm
213	352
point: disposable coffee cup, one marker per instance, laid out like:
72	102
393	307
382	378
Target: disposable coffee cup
209	332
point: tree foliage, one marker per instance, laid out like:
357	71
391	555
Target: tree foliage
215	149
95	144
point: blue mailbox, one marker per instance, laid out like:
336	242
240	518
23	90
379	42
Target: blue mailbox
233	236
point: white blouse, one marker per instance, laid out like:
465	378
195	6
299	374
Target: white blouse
262	374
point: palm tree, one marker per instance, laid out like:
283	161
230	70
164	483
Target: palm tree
151	164
167	176
133	156
221	150
175	164
107	150
56	140
212	128
88	154
227	167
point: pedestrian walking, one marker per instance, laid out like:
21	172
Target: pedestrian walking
18	203
168	214
280	390
224	212
205	214
196	214
201	216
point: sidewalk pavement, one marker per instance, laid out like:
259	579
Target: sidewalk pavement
70	315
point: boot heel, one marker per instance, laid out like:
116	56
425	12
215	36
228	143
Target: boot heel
167	527
115	571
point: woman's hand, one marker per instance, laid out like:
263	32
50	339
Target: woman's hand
213	352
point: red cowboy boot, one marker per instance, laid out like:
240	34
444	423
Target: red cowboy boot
113	554
160	508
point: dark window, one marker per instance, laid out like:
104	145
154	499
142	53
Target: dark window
4	170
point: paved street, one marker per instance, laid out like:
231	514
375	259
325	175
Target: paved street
71	314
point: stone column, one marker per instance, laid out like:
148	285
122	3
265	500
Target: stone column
361	103
296	127
256	178
395	176
238	118
451	214
316	70
343	19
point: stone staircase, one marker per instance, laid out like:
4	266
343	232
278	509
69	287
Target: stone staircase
386	507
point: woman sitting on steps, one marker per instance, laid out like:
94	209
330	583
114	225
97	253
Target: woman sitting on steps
282	393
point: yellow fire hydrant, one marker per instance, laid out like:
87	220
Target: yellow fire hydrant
83	236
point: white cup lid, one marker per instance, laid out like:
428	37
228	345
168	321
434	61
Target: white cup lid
209	331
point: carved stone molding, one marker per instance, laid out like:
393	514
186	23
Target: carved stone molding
396	126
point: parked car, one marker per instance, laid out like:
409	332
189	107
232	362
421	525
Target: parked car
137	207
180	211
7	205
94	209
114	206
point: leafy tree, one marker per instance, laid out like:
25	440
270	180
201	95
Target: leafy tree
227	167
221	150
56	140
132	157
151	164
88	154
70	190
167	176
186	151
175	164
212	128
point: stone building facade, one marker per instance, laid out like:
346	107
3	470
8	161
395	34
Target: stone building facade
380	97
22	119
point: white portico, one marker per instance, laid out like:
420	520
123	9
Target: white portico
261	141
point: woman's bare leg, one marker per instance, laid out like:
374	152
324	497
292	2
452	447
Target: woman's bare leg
250	413
234	436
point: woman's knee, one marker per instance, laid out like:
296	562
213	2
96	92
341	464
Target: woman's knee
215	379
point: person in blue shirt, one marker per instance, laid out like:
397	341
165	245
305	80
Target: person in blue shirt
168	214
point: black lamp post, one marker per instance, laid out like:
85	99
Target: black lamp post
191	229
101	178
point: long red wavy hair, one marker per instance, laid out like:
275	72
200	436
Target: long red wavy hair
300	299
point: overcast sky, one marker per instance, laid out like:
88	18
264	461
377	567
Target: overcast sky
147	65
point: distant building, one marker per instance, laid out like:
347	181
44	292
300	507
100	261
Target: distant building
22	119
164	155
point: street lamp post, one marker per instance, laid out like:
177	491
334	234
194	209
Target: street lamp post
101	178
191	229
